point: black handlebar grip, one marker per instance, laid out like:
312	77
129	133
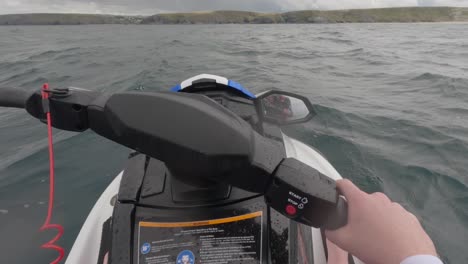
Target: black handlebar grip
339	216
13	97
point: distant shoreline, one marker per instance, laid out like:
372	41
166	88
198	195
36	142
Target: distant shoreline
379	15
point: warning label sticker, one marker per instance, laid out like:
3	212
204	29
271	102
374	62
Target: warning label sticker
218	241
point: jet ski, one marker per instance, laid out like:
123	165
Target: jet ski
212	179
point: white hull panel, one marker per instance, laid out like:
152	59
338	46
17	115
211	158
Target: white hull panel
87	244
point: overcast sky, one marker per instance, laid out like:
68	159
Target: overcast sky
146	7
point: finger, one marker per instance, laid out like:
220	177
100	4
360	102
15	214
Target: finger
106	258
382	197
336	254
414	218
399	206
349	190
339	237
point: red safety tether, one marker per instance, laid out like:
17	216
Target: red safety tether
47	224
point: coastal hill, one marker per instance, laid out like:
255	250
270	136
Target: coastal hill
405	14
378	15
67	19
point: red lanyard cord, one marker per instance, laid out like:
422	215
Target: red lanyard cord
47	225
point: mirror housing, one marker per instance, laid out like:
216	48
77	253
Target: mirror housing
284	108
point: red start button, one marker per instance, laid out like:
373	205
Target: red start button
291	210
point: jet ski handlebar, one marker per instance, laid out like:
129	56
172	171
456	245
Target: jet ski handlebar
13	97
199	140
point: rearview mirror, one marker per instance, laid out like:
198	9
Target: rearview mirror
284	108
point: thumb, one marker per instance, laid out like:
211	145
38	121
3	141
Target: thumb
352	194
349	190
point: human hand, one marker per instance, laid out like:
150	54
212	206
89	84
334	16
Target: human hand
379	230
335	254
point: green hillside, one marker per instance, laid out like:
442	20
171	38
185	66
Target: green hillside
66	19
215	17
403	14
380	15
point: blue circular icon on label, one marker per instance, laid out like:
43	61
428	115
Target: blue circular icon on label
185	257
145	248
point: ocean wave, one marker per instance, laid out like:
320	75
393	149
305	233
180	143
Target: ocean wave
246	52
332	33
254	39
430	76
386	128
27	81
51	53
22	75
336	40
452	87
356	51
296	55
455	110
16	30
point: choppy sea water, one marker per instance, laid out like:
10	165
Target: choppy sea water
392	103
